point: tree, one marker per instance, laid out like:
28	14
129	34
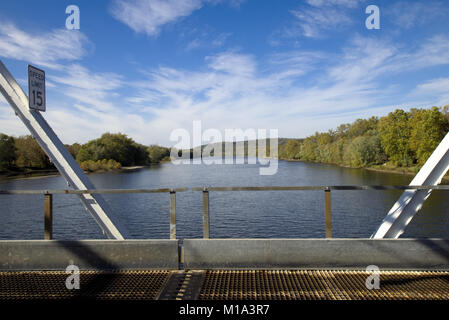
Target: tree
291	149
364	151
157	153
445	111
73	149
7	151
337	151
117	147
29	154
394	131
428	128
308	148
362	127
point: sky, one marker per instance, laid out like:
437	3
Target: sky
148	67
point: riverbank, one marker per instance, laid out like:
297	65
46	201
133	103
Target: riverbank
27	174
409	171
36	173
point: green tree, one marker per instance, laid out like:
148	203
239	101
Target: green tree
157	153
428	128
29	154
73	149
104	164
117	147
394	131
364	151
7	151
291	149
337	151
445	111
308	148
362	127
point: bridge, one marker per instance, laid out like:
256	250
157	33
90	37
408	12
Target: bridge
208	268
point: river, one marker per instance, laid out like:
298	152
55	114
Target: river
250	214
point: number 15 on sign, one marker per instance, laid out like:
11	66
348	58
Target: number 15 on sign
36	88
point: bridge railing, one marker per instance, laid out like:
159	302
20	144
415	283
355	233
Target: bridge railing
48	200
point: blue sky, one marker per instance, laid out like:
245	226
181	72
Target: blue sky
147	67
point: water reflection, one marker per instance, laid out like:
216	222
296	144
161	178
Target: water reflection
256	214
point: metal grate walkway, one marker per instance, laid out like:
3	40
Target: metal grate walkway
124	285
323	285
226	285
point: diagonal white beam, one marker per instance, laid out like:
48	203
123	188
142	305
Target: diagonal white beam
411	201
60	156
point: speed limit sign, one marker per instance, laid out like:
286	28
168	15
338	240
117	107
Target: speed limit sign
36	88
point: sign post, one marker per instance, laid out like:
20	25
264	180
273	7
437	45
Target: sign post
36	88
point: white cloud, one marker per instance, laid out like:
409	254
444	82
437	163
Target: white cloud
208	40
232	63
328	3
148	16
297	92
313	21
9	123
435	90
46	49
239	91
410	14
317	16
434	86
364	60
235	93
434	51
79	77
369	58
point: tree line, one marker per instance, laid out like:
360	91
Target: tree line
109	152
400	139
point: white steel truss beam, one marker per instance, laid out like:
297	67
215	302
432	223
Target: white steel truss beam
411	201
60	156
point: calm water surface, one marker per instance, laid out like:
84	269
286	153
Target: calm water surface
257	214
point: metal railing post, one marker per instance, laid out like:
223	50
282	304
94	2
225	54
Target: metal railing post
48	216
328	212
172	214
206	221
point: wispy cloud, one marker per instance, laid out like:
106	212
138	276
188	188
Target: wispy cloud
80	77
439	85
148	16
313	21
232	63
46	49
235	92
367	58
329	3
208	40
95	106
437	90
409	14
298	91
241	90
317	16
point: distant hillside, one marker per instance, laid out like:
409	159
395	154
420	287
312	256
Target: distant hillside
250	147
